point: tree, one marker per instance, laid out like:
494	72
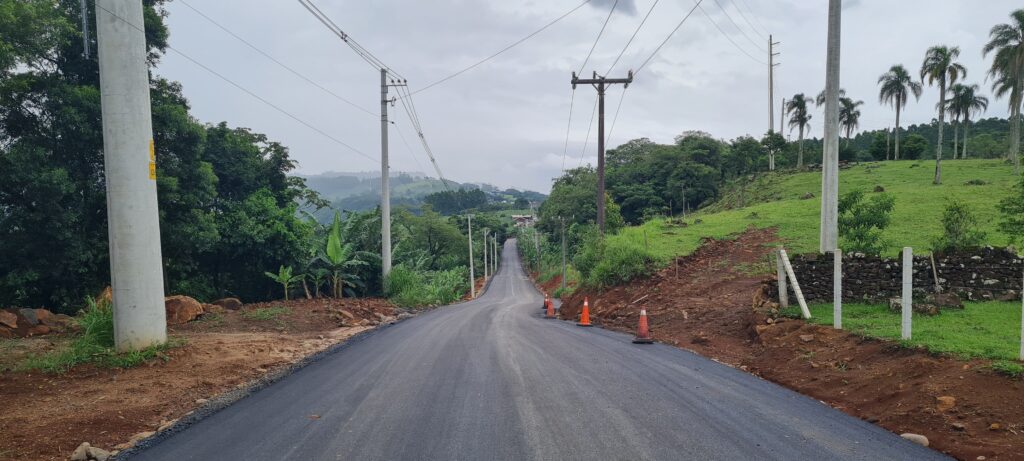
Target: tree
960	229
819	100
861	222
896	86
849	116
940	66
798	118
915	147
1007	73
961	105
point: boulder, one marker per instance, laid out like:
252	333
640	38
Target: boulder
916	438
232	304
81	453
182	309
945	300
38	330
29	316
213	309
896	305
8	319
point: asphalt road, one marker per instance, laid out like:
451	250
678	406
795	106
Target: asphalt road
492	380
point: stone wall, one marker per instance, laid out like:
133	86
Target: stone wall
982	275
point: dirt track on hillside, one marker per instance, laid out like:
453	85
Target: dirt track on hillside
708	308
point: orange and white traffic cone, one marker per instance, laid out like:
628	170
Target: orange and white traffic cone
585	315
550	308
643	332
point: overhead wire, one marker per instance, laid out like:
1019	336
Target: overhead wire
728	37
509	47
758	21
275	60
757	45
590	127
747	20
242	88
632	37
599	33
670	34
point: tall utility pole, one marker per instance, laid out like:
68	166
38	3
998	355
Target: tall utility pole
385	174
600	84
494	260
472	277
85	29
829	240
486	267
771	95
563	252
133	223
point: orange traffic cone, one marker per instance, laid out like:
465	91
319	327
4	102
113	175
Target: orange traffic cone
550	308
643	333
585	315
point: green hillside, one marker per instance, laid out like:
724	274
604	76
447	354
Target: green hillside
777	200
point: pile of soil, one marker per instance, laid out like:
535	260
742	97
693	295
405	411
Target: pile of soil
964	408
46	416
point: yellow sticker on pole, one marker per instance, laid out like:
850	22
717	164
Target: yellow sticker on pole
152	160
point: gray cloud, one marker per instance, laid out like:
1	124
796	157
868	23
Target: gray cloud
505	121
623	6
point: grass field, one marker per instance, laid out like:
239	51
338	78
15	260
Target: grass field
988	330
775	200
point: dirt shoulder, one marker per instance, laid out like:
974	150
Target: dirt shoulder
963	407
46	416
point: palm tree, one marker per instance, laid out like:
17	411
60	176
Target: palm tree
940	66
897	85
798	118
1007	73
964	102
820	99
849	116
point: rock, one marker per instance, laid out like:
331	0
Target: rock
6	333
945	403
994	427
231	304
958	427
945	300
916	438
806	338
38	330
346	314
8	319
760	329
98	454
29	315
896	305
213	309
141	435
81	453
1008	296
182	309
201	401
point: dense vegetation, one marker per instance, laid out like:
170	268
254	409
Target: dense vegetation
233	221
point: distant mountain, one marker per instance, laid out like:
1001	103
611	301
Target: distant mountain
360	191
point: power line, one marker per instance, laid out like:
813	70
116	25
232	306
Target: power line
758	21
737	45
509	47
374	62
616	117
590	127
568	128
408	148
663	42
599	33
245	90
279	63
632	37
744	33
747	20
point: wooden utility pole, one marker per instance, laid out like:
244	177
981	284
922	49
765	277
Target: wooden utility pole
600	83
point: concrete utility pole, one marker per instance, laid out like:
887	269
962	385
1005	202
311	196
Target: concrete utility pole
136	267
600	83
494	260
563	253
472	277
782	118
771	82
385	174
486	267
830	159
85	28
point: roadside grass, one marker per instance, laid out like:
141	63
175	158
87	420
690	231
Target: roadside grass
265	313
94	345
775	200
989	330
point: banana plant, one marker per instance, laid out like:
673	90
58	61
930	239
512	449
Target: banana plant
285	278
319	276
340	259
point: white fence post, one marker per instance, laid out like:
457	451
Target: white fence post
837	289
908	287
783	287
796	285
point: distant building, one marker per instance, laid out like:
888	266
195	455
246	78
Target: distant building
523	220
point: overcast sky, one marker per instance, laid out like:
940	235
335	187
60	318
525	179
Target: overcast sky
504	122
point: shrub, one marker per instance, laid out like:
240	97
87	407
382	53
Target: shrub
95	344
408	287
1012	209
960	229
861	222
603	263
